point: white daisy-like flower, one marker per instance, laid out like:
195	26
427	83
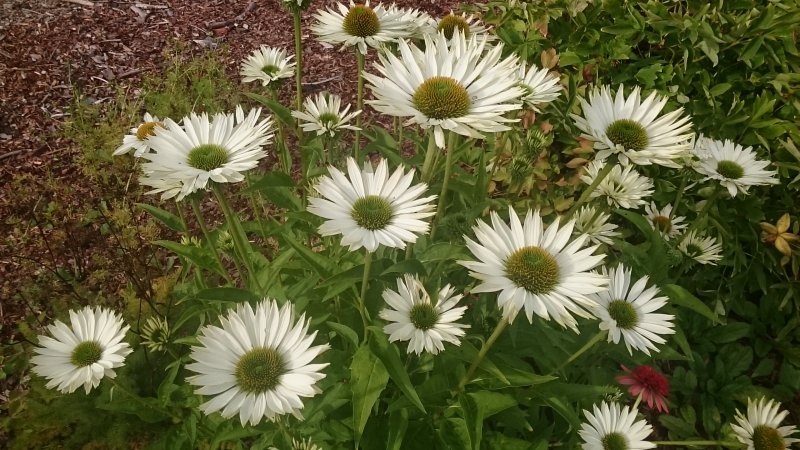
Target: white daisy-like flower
257	364
419	21
84	353
761	429
610	427
634	129
536	269
136	141
267	65
324	115
303	444
663	221
704	250
594	223
540	86
623	187
184	159
361	25
372	208
449	86
736	168
155	333
425	323
628	311
452	23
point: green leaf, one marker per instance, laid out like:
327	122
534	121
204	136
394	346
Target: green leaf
730	332
719	89
454	434
319	263
390	358
228	294
368	379
283	113
398	424
345	332
682	297
477	406
199	256
167	218
278	188
406	266
751	49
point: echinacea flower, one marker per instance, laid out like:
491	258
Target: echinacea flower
452	24
186	158
455	86
324	115
361	25
155	333
627	311
136	140
594	224
83	353
734	167
258	364
610	428
540	86
761	429
372	208
634	129
267	65
425	323
648	382
623	187
541	270
703	249
663	221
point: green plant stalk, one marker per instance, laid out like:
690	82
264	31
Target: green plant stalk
257	203
679	193
452	140
285	156
594	340
703	214
362	308
298	58
498	330
202	223
430	156
138	399
237	233
360	102
701	443
398	122
588	192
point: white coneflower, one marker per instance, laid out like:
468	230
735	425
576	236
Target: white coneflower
425	323
361	25
623	187
372	208
761	429
628	312
535	268
155	333
452	86
663	221
185	159
704	250
136	141
540	86
452	24
735	168
612	428
324	115
594	223
84	353
257	364
634	129
267	65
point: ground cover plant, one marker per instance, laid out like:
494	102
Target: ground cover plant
566	225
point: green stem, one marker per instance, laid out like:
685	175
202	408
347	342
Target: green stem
430	154
298	57
362	308
285	156
137	398
202	222
679	193
482	354
636	403
240	242
594	340
702	216
399	128
452	140
490	142
360	107
701	443
588	191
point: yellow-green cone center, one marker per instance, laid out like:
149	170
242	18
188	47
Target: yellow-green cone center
627	133
533	269
423	316
450	23
614	441
270	70
361	21
693	250
662	224
767	438
260	370
441	98
147	129
730	170
328	119
623	313
86	353
372	212
208	157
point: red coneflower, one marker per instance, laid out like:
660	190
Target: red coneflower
650	383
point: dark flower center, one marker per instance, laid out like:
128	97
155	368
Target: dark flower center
270	70
372	212
147	129
260	370
662	224
441	98
208	157
628	133
533	269
86	353
767	438
730	170
449	23
614	441
423	316
361	21
623	313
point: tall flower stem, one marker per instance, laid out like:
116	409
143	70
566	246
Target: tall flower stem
240	242
398	124
498	330
298	56
360	100
703	214
588	191
204	228
362	308
730	444
430	157
594	340
285	156
452	141
138	399
679	193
